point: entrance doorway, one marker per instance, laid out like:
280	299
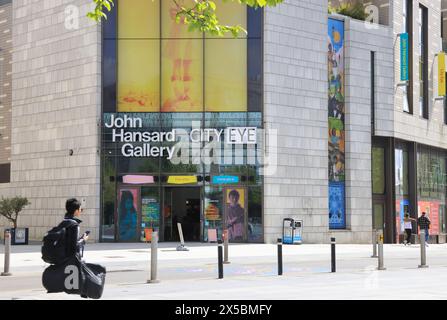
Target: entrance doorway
182	205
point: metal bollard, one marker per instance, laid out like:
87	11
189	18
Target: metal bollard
225	236
423	251
333	259
154	249
7	254
181	247
380	244
220	258
374	237
279	257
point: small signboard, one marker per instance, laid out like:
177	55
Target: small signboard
212	235
225	180
182	180
404	74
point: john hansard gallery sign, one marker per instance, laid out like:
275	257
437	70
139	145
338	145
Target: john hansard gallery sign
136	142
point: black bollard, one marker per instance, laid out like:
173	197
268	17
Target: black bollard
332	254
220	258
279	257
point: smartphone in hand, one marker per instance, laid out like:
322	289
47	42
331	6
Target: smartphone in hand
86	233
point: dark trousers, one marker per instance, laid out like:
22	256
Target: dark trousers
408	233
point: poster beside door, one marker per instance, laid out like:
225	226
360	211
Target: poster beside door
128	213
235	220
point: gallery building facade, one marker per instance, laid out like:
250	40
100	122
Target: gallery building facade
319	117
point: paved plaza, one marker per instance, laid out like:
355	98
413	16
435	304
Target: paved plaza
251	274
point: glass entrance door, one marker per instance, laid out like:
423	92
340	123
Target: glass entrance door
379	215
182	205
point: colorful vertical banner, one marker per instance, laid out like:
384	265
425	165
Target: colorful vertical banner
336	115
404	75
441	74
235	218
128	214
337	205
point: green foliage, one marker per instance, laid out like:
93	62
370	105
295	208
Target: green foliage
353	10
10	208
199	17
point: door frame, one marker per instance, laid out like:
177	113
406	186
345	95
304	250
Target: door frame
162	204
380	201
388	198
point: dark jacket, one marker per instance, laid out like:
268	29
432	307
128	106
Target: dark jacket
424	222
74	241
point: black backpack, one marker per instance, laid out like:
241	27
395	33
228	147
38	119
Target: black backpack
54	243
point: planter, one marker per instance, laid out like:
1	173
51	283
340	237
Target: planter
19	236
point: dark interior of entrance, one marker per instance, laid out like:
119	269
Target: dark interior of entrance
184	207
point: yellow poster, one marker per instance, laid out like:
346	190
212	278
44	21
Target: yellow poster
138	76
138	19
226	75
226	63
179	71
441	75
138	65
182	80
182	62
182	179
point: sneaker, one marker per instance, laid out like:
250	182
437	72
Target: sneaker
426	244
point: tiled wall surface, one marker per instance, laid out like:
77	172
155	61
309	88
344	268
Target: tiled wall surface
55	109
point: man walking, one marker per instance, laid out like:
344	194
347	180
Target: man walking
424	224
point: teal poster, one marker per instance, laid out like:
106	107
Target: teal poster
404	57
150	212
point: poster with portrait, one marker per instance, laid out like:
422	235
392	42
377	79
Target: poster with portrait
128	214
235	213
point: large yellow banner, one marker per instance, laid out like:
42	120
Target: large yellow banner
138	66
441	74
226	63
161	66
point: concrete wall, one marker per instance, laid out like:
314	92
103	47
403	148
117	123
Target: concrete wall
55	108
361	40
433	131
296	105
5	81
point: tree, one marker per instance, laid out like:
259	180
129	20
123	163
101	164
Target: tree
10	208
353	9
201	15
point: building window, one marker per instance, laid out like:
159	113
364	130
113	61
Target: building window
378	168
5	89
373	93
431	184
423	62
157	71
